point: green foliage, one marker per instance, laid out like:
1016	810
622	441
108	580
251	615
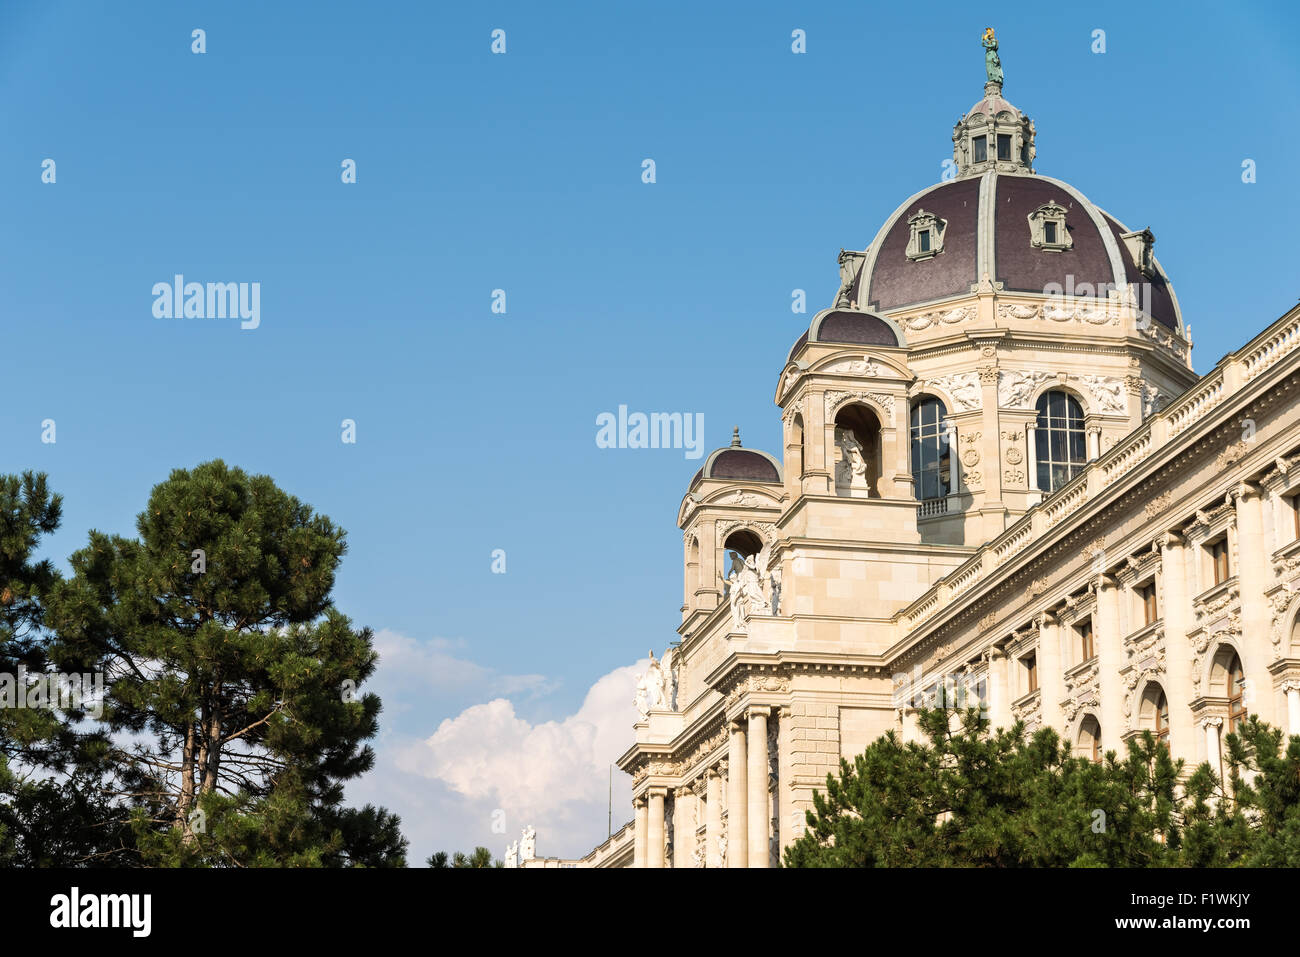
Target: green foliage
975	798
233	675
480	857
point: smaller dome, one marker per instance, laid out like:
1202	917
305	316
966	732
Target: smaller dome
737	464
852	327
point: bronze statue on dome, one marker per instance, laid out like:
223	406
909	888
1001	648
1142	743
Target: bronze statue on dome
992	62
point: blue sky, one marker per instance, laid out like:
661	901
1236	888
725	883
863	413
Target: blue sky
522	172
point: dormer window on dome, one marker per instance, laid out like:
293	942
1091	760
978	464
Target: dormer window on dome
926	239
1140	246
1047	229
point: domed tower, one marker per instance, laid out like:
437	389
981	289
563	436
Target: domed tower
728	514
1033	330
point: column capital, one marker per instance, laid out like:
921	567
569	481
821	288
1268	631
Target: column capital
736	726
640	801
1212	722
1290	685
763	711
657	792
1167	540
1244	490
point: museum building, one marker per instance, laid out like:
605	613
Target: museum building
1000	477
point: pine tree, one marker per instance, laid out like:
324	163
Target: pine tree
970	798
231	679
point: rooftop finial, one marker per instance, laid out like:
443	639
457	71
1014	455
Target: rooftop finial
992	62
735	437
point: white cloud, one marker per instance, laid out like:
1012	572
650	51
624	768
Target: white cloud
553	774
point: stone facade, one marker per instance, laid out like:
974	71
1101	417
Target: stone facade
1103	542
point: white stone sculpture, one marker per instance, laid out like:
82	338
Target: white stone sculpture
650	689
669	668
1015	388
1107	392
852	470
964	387
528	844
512	855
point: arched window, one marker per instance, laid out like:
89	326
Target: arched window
1090	739
930	450
1060	441
1236	693
1153	713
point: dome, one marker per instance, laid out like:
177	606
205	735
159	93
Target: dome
848	326
735	463
999	221
987	230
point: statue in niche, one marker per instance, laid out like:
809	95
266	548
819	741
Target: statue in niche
992	62
731	587
852	470
747	585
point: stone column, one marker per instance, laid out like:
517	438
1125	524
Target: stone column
713	818
954	463
1031	456
1253	576
641	820
1094	442
737	798
654	856
709	591
1176	611
1051	671
1212	754
684	812
999	689
787	832
758	812
1108	639
1292	690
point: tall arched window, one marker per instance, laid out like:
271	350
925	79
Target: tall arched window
1236	693
1060	442
1162	720
930	448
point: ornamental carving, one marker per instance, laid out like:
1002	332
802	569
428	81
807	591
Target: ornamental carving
1093	311
1160	337
947	317
1233	454
865	366
886	402
1089	309
1158	505
1278	602
765	529
964	387
1016	388
1014	456
1107	393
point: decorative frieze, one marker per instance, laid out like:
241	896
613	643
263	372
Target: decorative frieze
837	398
964	387
940	317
